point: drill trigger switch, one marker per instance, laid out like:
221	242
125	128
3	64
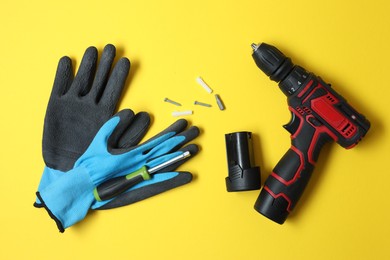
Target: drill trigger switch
293	125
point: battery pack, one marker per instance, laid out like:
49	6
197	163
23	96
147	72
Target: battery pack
243	174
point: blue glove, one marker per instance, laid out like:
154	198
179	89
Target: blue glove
69	197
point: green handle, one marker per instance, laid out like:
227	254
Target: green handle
118	185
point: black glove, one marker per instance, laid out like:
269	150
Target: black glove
79	106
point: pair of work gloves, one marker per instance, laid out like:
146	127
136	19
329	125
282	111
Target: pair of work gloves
85	144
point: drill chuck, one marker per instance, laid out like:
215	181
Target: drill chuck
279	68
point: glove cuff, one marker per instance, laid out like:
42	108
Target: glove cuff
49	175
43	205
68	199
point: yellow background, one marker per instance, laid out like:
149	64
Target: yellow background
344	213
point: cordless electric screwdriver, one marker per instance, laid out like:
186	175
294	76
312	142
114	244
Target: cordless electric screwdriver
318	115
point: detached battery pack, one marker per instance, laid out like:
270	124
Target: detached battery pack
243	174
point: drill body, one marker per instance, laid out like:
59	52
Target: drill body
318	115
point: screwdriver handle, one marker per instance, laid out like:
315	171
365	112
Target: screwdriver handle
118	185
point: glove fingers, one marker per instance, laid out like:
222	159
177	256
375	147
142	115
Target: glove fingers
135	132
150	144
63	78
109	133
174	142
83	80
173	129
143	192
189	135
102	72
126	117
116	82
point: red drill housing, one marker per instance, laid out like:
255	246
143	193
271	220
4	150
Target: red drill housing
319	115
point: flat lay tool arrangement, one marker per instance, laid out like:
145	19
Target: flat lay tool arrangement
95	158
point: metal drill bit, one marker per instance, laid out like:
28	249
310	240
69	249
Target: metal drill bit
169	162
202	104
172	102
219	102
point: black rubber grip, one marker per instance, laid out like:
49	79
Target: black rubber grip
116	186
285	185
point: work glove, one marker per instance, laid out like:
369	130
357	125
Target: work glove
79	106
69	198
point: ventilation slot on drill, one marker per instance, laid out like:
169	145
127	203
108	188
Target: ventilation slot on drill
331	99
348	130
307	110
300	110
303	110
